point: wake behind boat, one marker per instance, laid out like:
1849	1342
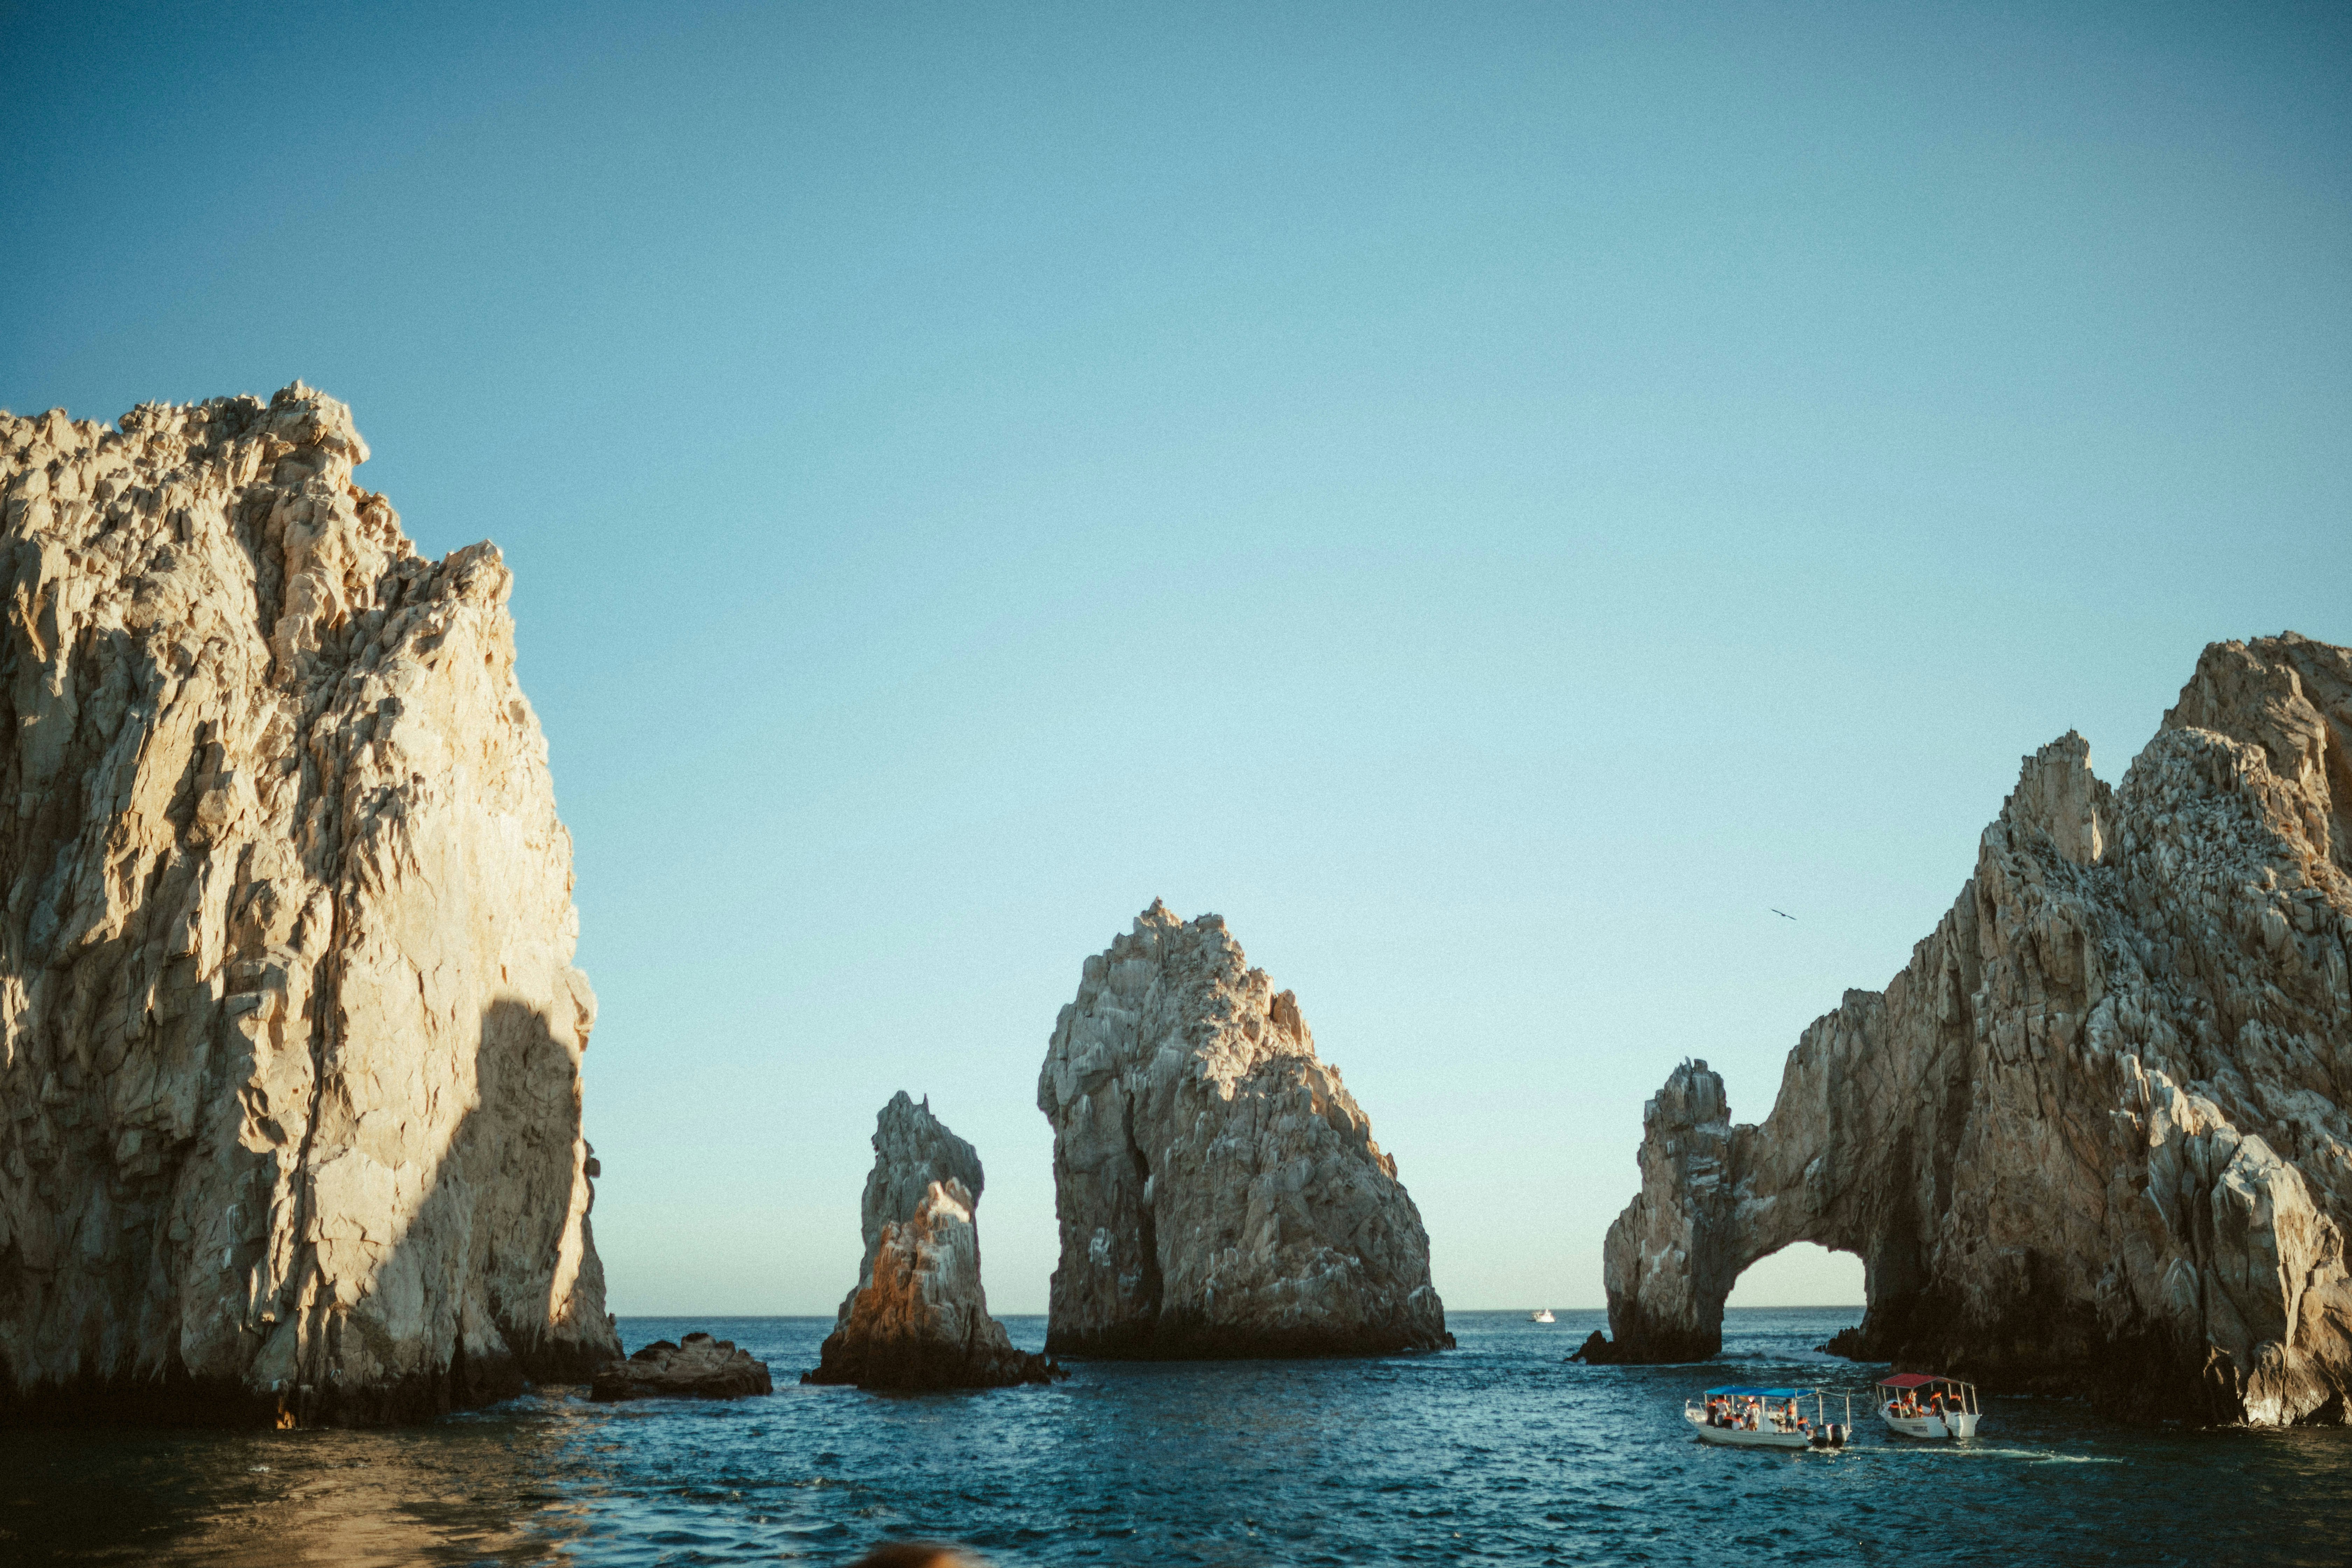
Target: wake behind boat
1739	1416
1922	1404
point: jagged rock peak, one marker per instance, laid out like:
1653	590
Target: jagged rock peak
2094	1136
292	1031
1218	1189
912	1149
918	1317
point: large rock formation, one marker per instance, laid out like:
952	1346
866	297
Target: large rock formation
918	1317
1219	1191
290	1033
2094	1136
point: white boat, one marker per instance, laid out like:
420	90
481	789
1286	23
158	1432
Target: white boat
1739	1416
1541	1315
1922	1404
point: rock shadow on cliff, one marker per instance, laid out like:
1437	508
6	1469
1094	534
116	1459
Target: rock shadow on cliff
472	1297
415	1293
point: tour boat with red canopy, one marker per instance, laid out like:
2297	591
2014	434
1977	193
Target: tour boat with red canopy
1739	1416
1926	1405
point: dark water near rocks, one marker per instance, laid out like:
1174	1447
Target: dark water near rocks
1498	1452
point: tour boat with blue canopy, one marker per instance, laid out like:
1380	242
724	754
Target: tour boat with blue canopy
1750	1416
1925	1405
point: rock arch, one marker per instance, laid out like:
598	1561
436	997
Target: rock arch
2094	1136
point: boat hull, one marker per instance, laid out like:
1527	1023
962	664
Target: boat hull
1952	1424
1740	1437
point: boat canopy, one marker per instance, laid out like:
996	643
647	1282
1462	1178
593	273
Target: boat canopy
1915	1380
1744	1391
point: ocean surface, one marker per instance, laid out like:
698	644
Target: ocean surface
1501	1451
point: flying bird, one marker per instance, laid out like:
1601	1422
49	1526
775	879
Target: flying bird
1784	914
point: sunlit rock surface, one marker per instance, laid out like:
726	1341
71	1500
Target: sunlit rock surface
918	1318
1218	1188
292	1036
2094	1135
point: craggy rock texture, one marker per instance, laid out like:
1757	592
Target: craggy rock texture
1219	1190
2094	1136
290	1033
699	1367
918	1318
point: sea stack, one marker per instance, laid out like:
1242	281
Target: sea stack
917	1318
292	1031
2094	1137
1219	1191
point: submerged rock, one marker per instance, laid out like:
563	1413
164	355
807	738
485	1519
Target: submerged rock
1218	1189
917	1318
698	1367
292	1031
2095	1135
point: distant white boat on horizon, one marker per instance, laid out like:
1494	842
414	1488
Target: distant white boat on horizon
1541	1315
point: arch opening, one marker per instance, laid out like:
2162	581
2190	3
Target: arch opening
1801	1274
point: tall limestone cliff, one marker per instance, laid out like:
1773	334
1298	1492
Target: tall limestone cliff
289	1032
2095	1136
917	1318
1219	1191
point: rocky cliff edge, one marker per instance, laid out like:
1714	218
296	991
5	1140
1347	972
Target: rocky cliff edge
292	1036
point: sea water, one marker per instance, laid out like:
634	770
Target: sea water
1499	1452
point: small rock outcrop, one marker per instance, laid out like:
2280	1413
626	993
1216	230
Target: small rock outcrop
698	1367
2095	1136
290	1033
917	1318
1218	1188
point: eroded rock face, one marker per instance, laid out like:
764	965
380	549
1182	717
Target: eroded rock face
2094	1136
292	1036
1219	1191
918	1318
698	1367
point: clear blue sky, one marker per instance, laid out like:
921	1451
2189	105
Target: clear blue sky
1489	499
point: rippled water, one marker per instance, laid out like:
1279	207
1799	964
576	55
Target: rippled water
1498	1452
